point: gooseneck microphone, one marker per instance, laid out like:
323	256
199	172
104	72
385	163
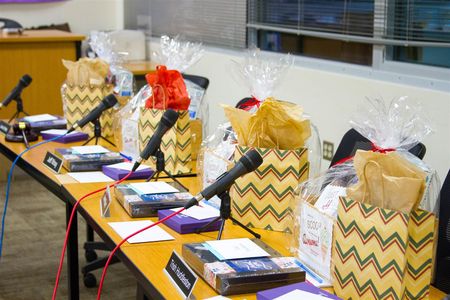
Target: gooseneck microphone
108	102
246	164
168	120
15	93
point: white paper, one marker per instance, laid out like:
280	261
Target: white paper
329	199
59	132
153	234
299	294
218	298
89	149
237	248
40	118
200	212
159	187
85	177
127	166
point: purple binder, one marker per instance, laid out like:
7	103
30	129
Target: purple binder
185	224
118	174
72	137
304	286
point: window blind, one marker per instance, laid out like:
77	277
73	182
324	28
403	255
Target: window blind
218	22
386	22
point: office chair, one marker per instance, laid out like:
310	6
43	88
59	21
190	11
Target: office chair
90	246
442	279
8	23
351	139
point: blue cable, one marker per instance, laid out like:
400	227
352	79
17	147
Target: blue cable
9	184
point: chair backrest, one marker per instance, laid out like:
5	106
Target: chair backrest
350	141
8	23
199	80
442	261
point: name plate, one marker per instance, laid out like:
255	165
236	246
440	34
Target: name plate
180	274
105	202
4	127
53	162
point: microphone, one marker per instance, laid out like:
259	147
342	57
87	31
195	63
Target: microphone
248	163
108	102
168	119
15	93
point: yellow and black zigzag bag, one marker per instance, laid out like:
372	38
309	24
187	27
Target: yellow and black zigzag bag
176	143
382	254
80	100
264	198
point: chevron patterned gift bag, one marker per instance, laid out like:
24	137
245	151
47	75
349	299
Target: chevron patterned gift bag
382	254
176	143
263	198
80	100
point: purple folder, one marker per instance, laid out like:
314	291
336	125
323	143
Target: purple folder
304	286
72	137
118	174
185	224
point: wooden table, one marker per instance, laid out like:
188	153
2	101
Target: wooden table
39	54
145	261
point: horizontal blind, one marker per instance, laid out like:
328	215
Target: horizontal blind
390	22
218	22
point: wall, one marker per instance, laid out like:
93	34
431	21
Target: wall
330	98
82	15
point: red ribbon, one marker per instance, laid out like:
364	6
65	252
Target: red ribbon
375	148
251	103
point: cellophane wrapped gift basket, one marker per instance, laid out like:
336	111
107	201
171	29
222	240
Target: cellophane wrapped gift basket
367	225
166	89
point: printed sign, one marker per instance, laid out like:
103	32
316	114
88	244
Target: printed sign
105	203
4	127
53	162
180	274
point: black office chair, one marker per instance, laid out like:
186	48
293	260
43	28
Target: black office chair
90	246
442	279
353	138
8	23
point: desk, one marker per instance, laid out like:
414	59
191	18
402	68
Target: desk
37	53
145	261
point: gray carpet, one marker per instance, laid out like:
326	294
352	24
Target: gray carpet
34	234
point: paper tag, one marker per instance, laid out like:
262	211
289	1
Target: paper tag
236	249
40	118
329	199
180	274
128	166
90	149
53	162
299	294
316	237
105	203
4	127
147	188
200	212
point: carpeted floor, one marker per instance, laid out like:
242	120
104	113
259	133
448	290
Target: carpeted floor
34	233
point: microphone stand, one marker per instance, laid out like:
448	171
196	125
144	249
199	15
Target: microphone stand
225	214
97	134
19	109
161	168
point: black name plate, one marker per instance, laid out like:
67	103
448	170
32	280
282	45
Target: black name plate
4	127
181	275
53	162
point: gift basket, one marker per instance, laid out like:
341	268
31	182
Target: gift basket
166	89
367	225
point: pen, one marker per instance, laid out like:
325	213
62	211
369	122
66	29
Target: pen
129	158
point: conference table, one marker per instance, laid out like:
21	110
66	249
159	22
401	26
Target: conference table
145	261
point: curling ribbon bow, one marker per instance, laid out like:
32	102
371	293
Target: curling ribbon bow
375	148
250	103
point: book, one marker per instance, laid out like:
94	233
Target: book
74	136
185	224
42	122
117	171
75	162
148	205
294	290
240	276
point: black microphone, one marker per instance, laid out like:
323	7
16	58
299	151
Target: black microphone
15	93
108	102
168	119
248	163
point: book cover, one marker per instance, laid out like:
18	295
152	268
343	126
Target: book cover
138	206
87	162
240	276
185	224
302	286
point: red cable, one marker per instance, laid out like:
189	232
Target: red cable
100	286
74	209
